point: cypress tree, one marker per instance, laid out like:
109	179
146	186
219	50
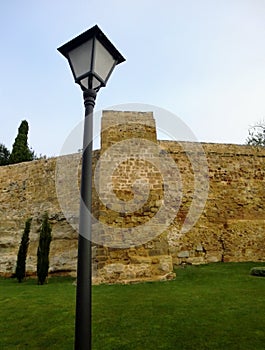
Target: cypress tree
20	151
44	250
22	252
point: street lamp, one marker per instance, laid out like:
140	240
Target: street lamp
92	58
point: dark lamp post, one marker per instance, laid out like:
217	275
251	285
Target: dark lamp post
92	58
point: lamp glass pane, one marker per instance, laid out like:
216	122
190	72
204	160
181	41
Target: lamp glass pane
85	83
104	61
96	83
80	58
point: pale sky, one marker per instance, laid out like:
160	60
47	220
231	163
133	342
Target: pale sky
202	60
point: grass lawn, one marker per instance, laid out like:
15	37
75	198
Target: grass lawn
215	307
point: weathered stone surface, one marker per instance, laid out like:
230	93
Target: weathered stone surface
141	269
183	254
231	226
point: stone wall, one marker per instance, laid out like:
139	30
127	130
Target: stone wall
232	224
28	190
230	227
129	248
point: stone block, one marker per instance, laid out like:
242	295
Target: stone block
196	260
183	254
199	248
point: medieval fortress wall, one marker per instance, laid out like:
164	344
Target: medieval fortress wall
155	203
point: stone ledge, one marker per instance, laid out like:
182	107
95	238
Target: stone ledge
167	277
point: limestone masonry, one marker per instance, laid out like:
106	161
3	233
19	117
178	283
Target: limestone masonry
148	204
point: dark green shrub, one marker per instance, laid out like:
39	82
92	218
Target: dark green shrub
4	155
44	250
258	271
22	252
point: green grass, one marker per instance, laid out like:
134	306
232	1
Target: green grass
215	307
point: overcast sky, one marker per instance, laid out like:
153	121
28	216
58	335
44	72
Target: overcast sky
202	60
